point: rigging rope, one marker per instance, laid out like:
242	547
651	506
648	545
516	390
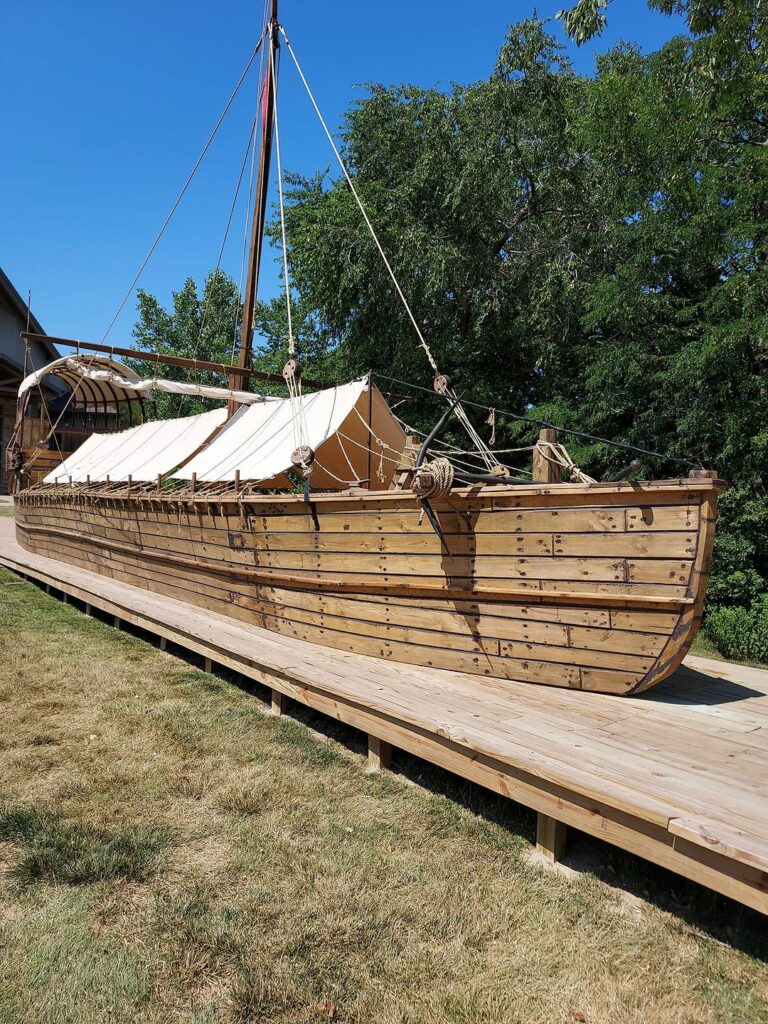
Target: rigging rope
444	385
184	188
433	480
291	339
363	211
291	374
445	388
552	426
233	353
226	234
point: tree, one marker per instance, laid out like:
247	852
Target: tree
475	194
206	328
588	251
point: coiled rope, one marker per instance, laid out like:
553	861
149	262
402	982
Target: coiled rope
433	479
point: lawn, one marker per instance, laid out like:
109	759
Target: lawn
170	852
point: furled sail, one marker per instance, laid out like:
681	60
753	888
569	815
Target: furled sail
108	371
140	453
350	428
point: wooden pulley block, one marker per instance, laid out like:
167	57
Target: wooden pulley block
441	383
292	369
302	457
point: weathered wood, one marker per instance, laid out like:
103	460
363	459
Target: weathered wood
545	470
279	702
555	587
551	836
379	754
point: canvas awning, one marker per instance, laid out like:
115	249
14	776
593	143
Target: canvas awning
140	453
351	429
115	378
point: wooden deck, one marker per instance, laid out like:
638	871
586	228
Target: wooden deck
678	776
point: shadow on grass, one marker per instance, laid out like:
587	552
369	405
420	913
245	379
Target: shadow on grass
56	850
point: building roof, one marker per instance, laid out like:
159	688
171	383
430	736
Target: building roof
16	302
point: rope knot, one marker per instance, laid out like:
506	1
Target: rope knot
433	479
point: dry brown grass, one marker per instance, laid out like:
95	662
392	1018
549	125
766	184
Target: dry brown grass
285	884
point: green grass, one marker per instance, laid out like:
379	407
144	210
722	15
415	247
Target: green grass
169	852
59	851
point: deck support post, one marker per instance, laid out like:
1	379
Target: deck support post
116	623
87	609
550	837
163	643
207	665
379	754
279	702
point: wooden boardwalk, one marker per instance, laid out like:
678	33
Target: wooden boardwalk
678	776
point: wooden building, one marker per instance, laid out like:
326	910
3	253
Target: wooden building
15	362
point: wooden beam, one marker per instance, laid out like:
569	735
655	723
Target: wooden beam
550	837
155	357
279	702
544	470
379	754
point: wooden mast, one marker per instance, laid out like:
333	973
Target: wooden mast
260	202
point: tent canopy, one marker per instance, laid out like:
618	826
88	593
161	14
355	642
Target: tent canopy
141	453
351	429
343	425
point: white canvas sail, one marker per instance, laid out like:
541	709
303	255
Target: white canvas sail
350	428
140	453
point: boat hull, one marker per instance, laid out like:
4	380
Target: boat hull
597	587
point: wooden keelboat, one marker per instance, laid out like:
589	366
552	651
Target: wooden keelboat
394	549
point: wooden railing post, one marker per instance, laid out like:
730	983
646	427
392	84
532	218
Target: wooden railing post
545	470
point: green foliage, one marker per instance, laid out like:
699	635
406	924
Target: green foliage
589	251
60	851
203	328
740	633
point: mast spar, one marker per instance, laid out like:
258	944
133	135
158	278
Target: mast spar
268	92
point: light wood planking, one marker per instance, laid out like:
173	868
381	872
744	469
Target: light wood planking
694	803
546	585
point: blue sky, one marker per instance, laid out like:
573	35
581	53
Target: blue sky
107	105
